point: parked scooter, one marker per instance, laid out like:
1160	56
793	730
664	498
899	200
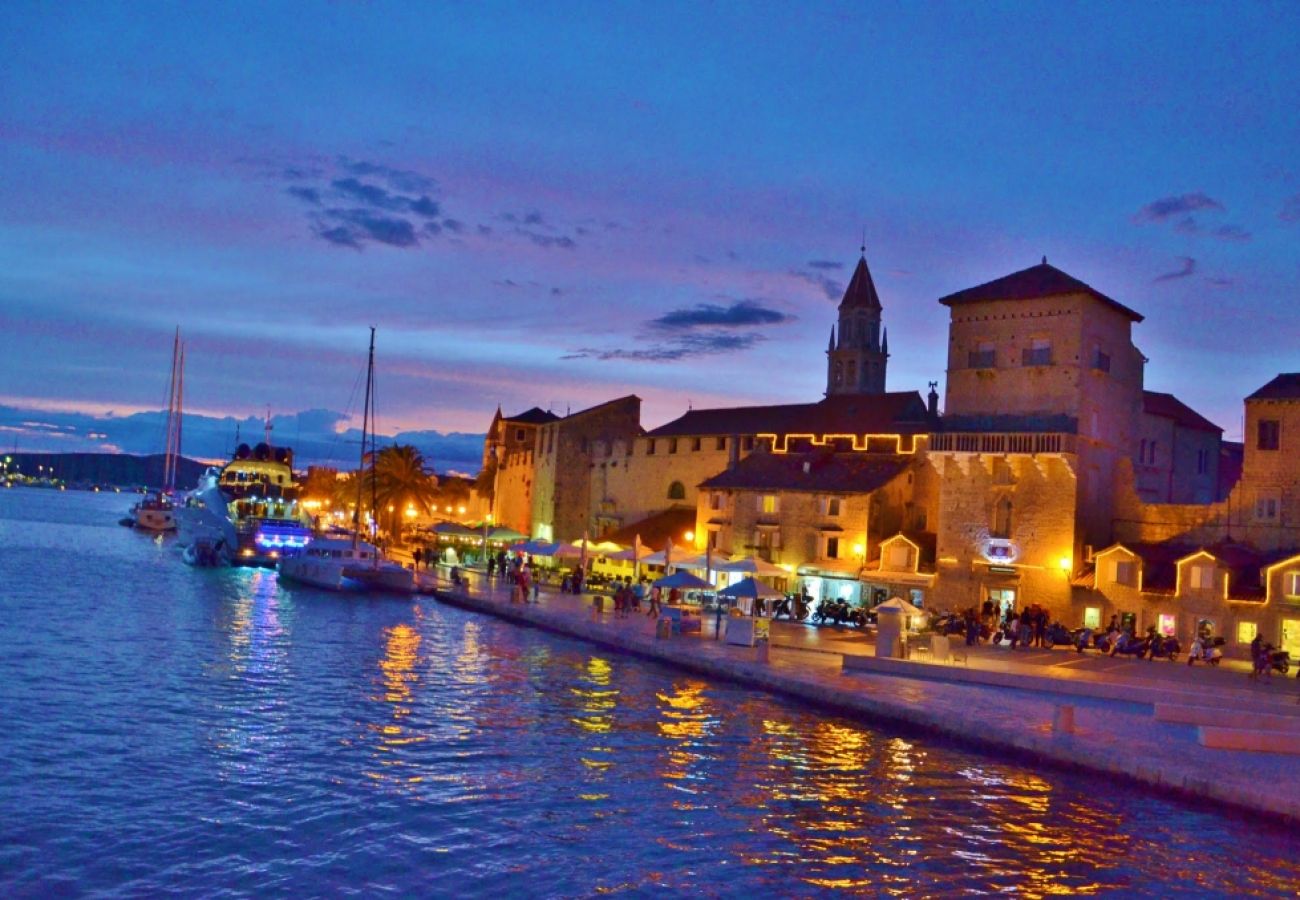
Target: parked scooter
1058	634
1205	649
1082	639
1280	660
1130	645
1164	646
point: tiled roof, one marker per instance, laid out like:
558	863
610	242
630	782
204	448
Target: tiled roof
1284	387
1167	406
534	416
861	290
838	473
1244	565
901	412
656	530
1037	281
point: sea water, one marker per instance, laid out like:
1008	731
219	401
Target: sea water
165	729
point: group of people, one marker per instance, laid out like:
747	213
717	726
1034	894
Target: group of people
427	556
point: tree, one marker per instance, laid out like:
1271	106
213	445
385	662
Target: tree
401	478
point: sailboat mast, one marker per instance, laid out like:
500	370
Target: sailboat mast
180	417
168	478
365	427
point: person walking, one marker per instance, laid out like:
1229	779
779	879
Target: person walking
417	556
654	602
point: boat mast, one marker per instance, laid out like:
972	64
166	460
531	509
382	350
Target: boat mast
365	426
169	468
180	405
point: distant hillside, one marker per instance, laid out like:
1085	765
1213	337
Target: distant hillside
119	469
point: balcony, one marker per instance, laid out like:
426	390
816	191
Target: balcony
981	359
1041	356
1002	443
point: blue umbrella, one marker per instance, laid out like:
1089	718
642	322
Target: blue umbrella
748	587
683	579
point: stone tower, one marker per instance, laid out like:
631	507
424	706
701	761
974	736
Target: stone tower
856	358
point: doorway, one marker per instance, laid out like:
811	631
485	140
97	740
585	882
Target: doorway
1004	601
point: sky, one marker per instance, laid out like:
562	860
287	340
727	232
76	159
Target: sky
559	204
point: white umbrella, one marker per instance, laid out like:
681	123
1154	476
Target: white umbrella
752	565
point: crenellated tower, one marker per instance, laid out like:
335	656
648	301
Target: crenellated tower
857	355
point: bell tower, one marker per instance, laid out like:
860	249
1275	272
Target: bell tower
856	356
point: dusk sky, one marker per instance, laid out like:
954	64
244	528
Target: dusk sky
556	205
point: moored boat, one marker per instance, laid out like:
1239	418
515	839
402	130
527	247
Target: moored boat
339	564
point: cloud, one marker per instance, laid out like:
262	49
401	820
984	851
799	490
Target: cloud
1187	267
828	286
739	315
453	225
353	227
1230	233
1290	209
1219	282
403	180
548	240
310	195
679	347
824	264
1168	207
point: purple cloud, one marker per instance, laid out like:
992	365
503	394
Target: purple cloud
739	315
1168	207
1186	269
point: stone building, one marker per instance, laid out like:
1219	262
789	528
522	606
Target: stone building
855	361
565	458
509	454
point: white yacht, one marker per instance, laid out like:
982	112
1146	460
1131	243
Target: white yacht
246	514
339	564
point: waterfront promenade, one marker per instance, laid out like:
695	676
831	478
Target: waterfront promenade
991	698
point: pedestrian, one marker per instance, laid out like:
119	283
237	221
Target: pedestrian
638	594
1013	628
417	556
674	597
654	601
492	566
537	590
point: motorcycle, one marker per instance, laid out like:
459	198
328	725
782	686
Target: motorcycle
1280	660
1164	647
1082	638
1130	645
1058	634
1206	649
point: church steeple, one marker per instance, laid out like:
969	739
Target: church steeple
856	362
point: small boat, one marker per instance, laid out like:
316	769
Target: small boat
344	564
156	510
351	563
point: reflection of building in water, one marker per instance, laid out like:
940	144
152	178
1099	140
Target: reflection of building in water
255	716
594	717
688	719
398	671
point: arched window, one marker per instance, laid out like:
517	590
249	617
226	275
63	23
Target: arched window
839	373
1001	518
676	491
851	373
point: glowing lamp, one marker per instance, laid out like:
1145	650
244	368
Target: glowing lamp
690	535
1065	563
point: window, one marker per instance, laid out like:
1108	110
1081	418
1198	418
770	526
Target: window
1142	451
695	443
672	445
1038	353
1200	577
715	500
1270	434
1001	518
713	539
722	443
676	491
851	373
1202	461
1291	584
1166	624
983	356
519	434
1101	360
1151	453
1092	617
1246	632
839	373
832	548
1266	507
832	507
1124	572
769	504
650	447
749	443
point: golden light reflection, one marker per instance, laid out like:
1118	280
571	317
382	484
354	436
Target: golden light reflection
596	703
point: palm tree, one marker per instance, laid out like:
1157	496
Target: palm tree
401	478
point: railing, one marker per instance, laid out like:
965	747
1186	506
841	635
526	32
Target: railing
1040	357
982	442
981	359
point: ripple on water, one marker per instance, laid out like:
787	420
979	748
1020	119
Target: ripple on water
211	732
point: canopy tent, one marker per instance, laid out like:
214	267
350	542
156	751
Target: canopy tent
501	533
658	557
630	554
535	547
682	580
598	548
750	587
752	565
454	529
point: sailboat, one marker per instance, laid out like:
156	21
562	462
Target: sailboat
156	510
337	563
